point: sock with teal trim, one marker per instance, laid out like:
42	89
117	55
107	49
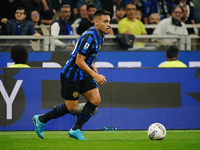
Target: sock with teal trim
56	112
85	115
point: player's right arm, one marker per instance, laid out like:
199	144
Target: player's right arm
80	62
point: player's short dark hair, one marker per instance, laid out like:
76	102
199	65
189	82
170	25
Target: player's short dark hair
176	6
19	54
172	51
91	6
22	8
101	12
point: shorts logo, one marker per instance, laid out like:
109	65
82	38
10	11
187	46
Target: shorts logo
86	46
75	94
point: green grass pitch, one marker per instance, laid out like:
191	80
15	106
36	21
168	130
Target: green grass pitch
100	140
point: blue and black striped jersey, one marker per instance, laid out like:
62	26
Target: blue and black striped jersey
88	44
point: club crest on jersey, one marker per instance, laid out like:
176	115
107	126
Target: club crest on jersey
86	46
99	48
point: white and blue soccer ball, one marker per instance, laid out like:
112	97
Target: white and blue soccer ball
156	131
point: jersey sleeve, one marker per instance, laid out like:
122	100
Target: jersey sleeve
85	45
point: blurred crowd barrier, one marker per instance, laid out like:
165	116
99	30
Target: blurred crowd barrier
111	42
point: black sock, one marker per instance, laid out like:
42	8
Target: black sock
56	112
85	115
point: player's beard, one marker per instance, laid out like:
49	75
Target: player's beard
102	32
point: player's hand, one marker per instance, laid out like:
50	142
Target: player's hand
4	20
100	79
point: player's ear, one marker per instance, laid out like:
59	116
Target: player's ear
96	22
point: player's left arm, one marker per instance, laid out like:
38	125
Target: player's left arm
94	68
80	62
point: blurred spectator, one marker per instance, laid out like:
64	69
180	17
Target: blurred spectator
57	4
142	6
19	54
197	10
161	7
35	18
88	22
56	16
39	28
171	26
44	7
184	20
153	19
130	25
172	62
111	5
138	15
120	13
18	26
97	3
62	25
190	8
83	14
9	7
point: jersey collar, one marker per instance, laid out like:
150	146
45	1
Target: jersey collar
98	34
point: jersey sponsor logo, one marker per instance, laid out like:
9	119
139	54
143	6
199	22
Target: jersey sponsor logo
86	46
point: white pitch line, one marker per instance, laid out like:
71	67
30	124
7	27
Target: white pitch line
90	132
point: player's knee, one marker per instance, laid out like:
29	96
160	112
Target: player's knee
72	108
96	101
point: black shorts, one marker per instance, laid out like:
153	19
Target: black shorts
70	90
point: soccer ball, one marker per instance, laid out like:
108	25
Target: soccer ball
156	131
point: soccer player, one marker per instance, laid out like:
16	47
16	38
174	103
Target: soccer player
80	75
